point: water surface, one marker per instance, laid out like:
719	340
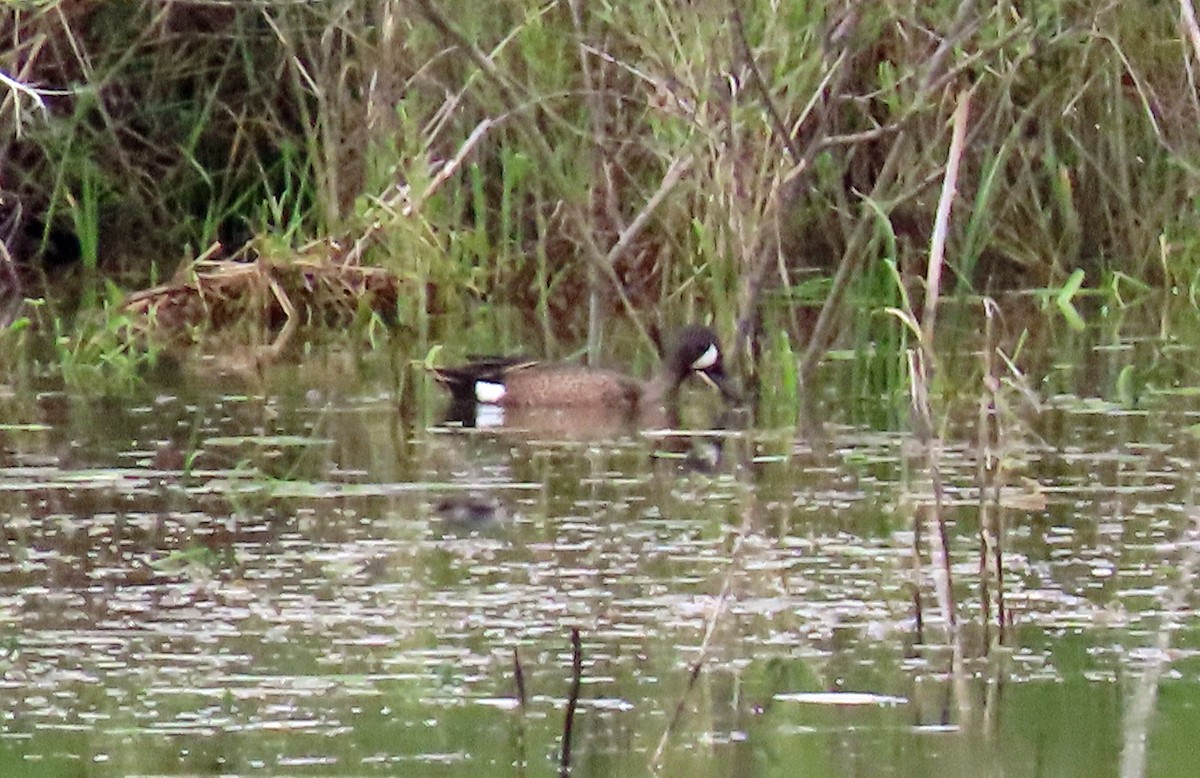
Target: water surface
253	575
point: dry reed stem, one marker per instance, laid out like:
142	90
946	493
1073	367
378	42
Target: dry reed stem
941	225
920	373
928	519
710	629
1187	15
986	467
1140	708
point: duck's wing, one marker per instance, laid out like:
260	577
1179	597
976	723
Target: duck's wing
461	380
572	386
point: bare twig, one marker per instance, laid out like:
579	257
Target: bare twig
764	93
573	700
513	98
519	678
564	764
601	165
854	254
694	673
752	284
17	88
986	469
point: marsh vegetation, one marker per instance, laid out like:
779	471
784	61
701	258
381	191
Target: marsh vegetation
950	245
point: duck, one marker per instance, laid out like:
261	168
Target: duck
527	384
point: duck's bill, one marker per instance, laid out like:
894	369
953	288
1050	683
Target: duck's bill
723	384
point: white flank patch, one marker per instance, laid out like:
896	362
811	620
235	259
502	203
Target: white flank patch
707	359
488	392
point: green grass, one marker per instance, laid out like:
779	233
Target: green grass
734	158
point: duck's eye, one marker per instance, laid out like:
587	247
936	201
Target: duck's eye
707	359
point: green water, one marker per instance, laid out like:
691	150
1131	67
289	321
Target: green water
245	575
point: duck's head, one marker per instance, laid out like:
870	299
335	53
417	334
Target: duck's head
697	351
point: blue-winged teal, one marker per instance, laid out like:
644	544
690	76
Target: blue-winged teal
518	383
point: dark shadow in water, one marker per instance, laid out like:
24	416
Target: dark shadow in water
467	514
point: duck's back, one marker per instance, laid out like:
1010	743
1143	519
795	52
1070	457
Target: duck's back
570	385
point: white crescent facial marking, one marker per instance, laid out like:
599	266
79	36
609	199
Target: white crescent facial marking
707	359
489	392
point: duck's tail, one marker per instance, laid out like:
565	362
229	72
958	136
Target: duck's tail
463	380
